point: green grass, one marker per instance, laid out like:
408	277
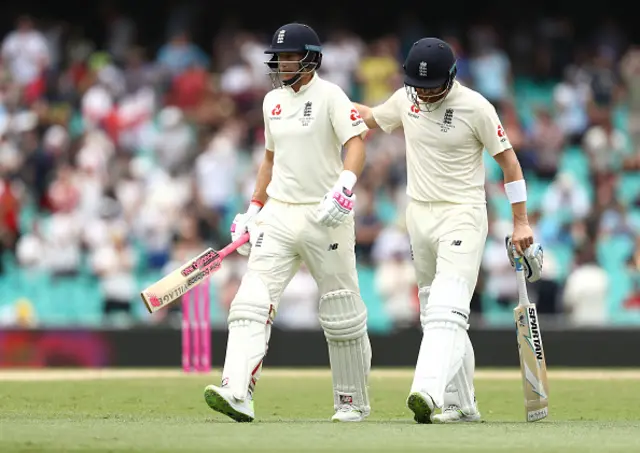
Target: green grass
170	415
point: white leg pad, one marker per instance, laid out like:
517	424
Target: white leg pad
460	391
445	324
423	297
343	317
250	318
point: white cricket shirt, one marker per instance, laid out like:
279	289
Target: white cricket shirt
306	131
444	147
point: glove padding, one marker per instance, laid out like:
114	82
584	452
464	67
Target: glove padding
336	206
531	261
241	224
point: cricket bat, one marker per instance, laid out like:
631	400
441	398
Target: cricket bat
187	277
532	359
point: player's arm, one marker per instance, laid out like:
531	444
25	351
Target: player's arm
242	222
491	134
386	116
354	158
516	189
367	115
514	184
265	171
263	178
349	129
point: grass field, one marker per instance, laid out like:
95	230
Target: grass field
164	411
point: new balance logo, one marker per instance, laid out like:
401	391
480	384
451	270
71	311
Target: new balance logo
259	240
333	247
456	242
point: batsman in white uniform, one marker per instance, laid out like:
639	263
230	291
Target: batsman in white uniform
447	127
302	211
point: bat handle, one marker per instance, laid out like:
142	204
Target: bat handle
523	296
234	245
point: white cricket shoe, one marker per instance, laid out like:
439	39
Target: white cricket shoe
453	414
221	400
348	413
422	406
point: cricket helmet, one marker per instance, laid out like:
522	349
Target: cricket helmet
294	38
430	64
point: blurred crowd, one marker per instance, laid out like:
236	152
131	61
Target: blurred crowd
117	159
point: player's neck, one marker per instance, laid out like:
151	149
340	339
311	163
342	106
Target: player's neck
304	80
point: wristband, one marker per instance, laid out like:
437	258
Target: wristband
254	207
516	191
347	179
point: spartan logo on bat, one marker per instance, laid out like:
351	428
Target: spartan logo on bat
522	322
535	334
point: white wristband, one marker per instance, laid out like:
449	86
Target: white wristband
253	209
347	179
516	191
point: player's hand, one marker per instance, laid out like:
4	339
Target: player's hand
532	259
336	206
522	237
241	224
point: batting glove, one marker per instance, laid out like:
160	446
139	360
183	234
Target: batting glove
241	224
338	203
531	261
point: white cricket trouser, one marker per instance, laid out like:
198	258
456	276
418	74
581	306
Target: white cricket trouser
447	242
447	238
287	234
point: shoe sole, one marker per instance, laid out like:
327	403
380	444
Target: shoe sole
216	402
464	419
355	420
420	408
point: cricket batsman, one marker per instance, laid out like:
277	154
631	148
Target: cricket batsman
447	127
301	211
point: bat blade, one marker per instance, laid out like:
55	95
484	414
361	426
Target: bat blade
179	282
532	362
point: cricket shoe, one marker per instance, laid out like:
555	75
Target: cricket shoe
221	400
422	406
348	413
453	414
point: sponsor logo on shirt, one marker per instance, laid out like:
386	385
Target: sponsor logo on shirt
276	112
355	117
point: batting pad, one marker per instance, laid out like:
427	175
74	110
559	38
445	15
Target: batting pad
423	297
460	391
343	317
250	318
444	336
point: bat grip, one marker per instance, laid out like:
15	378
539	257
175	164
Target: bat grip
234	245
523	296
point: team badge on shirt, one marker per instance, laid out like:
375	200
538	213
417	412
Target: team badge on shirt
306	115
447	121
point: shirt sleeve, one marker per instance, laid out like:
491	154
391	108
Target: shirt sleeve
489	130
345	119
268	138
387	114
